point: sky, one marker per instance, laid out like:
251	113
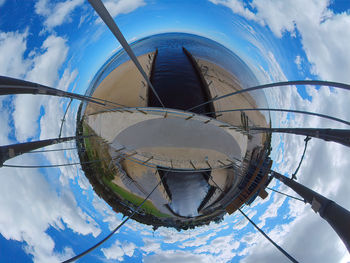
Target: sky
48	215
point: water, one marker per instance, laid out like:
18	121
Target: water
177	82
187	191
198	46
179	86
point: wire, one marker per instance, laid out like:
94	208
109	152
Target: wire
115	230
54	150
294	175
280	84
285	110
296	198
260	230
64	117
268	238
48	166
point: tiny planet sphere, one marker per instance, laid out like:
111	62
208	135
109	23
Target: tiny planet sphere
194	159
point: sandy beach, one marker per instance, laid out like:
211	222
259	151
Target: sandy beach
124	85
221	82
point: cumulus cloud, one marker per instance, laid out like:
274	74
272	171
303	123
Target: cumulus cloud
29	206
44	70
272	209
174	256
56	14
5	127
150	245
12	48
322	31
117	7
118	250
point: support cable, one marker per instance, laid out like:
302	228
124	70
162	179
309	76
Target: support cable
294	175
284	110
115	230
110	23
296	198
54	150
49	165
260	230
268	238
279	84
64	117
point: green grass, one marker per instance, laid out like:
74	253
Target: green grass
108	176
147	206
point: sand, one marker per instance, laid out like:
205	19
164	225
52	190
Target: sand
124	85
221	82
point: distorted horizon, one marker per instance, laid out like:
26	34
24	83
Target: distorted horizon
52	214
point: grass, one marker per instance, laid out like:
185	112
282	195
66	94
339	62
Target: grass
107	177
147	206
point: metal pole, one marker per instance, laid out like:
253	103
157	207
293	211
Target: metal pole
338	217
109	21
9	151
11	86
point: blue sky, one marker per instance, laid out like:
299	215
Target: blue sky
47	215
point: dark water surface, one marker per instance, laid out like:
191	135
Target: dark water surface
177	81
187	191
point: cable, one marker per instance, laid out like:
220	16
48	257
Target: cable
280	84
285	110
64	117
47	166
260	230
296	198
268	238
294	175
54	150
115	230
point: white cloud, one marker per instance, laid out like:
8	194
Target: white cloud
2	2
150	245
298	61
272	209
56	14
324	34
47	63
119	250
5	128
175	256
198	241
324	170
117	7
12	48
44	70
27	212
237	7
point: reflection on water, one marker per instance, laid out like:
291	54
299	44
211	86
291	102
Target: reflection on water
187	191
176	81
